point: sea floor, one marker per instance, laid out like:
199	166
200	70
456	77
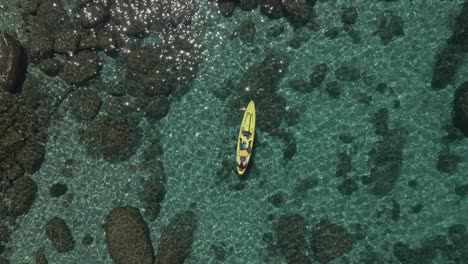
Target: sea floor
196	138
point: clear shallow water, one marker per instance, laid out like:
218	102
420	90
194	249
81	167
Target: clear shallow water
197	136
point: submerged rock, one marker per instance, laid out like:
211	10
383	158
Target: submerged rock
11	69
460	108
114	139
127	237
177	238
22	196
298	11
85	103
59	234
290	231
445	68
81	68
330	241
271	8
92	15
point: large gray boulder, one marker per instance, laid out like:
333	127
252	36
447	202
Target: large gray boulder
11	71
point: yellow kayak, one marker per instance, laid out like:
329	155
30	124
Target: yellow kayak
246	139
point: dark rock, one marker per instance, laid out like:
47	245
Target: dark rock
116	89
274	112
346	138
458	235
84	103
88	41
91	15
51	17
81	68
389	26
413	184
407	255
452	133
11	68
247	32
82	3
158	107
445	68
30	157
219	252
460	108
290	232
31	6
248	5
380	122
347	73
417	208
318	75
40	257
127	16
157	84
59	234
58	189
300	85
262	78
276	30
347	187
333	89
396	211
278	200
40	46
349	15
50	66
343	165
447	162
11	170
177	238
87	240
354	35
298	11
330	241
107	40
127	236
332	33
115	139
4	211
152	195
5	234
271	8
290	150
11	138
299	37
461	190
67	41
381	87
22	196
6	102
226	8
123	105
459	38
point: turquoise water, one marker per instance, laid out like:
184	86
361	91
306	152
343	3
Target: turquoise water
198	137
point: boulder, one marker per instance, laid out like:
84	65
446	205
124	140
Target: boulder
177	238
127	237
59	234
11	69
460	108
